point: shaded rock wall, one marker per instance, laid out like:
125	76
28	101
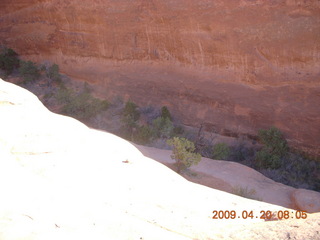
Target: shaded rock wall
235	65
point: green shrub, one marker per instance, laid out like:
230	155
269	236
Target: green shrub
265	159
130	114
81	106
162	127
221	151
8	60
129	118
29	71
63	95
183	153
165	113
53	73
274	149
143	135
274	141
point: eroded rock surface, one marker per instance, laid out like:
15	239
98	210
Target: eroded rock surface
236	66
306	200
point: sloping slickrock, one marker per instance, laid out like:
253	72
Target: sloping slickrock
306	200
230	176
62	180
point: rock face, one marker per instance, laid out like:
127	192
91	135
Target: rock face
306	200
236	66
62	180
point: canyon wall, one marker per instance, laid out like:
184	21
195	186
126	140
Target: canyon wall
233	65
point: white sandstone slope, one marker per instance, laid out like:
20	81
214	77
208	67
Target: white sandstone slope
62	180
229	176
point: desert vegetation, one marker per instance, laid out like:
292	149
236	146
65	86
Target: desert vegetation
29	71
183	153
221	151
157	124
53	74
155	127
81	105
274	149
9	61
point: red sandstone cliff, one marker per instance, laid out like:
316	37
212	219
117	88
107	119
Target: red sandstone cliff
237	65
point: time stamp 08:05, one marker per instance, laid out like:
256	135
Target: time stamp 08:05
266	215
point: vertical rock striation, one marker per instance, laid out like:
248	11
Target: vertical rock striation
235	65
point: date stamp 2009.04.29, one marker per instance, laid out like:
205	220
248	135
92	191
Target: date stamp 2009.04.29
266	215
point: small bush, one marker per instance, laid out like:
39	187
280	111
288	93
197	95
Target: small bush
63	95
221	151
143	135
162	127
165	113
81	106
53	73
129	118
274	141
29	71
274	149
183	153
8	60
265	159
130	114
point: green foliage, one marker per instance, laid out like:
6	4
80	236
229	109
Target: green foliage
165	113
143	135
183	153
221	151
8	60
129	118
29	71
53	73
274	149
162	127
130	114
63	95
274	141
81	106
265	159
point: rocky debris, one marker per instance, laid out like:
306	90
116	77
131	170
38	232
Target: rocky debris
62	180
